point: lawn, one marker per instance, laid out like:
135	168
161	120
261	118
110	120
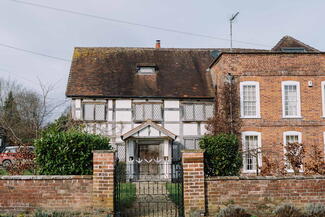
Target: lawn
127	193
175	192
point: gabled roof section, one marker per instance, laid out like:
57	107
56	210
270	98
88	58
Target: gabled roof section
290	42
112	72
149	123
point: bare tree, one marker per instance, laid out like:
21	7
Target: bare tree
294	154
32	110
314	163
255	153
226	117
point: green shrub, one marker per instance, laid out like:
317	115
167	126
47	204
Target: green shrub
287	210
233	211
222	156
315	210
67	152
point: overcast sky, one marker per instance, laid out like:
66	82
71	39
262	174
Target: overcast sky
260	23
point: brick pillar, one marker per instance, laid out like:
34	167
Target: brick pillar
103	180
193	175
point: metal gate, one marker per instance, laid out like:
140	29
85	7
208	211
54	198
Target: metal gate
148	188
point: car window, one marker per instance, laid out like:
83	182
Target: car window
10	150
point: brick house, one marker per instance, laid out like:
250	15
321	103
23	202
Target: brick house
281	95
153	102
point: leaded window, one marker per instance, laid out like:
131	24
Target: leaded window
197	112
146	111
191	143
94	111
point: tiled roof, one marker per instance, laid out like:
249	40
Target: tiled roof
290	42
111	72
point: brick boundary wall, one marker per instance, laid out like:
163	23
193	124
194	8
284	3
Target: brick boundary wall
103	180
193	182
93	193
254	192
27	193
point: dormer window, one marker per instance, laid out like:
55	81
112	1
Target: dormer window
146	69
293	49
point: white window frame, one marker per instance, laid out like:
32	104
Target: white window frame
296	83
324	145
259	144
257	87
323	97
290	133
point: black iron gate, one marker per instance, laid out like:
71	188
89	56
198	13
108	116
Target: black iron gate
148	188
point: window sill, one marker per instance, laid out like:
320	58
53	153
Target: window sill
91	121
291	117
194	120
292	171
249	171
250	117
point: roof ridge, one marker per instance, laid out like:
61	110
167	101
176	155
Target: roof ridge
169	48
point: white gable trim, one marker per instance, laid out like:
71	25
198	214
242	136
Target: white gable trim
144	130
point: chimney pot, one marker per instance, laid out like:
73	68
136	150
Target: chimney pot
157	43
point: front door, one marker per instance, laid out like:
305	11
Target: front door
149	154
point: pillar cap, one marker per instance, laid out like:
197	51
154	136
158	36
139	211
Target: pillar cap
104	151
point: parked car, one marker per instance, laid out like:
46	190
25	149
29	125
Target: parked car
9	154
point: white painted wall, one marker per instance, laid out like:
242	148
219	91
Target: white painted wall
171	104
78	109
174	128
123	116
123	103
171	115
203	129
122	111
190	129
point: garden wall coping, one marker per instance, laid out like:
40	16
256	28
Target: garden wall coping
221	178
46	177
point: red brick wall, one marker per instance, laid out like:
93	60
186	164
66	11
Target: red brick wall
269	70
252	192
193	182
103	180
22	193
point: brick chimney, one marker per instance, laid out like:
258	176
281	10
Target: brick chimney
157	43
